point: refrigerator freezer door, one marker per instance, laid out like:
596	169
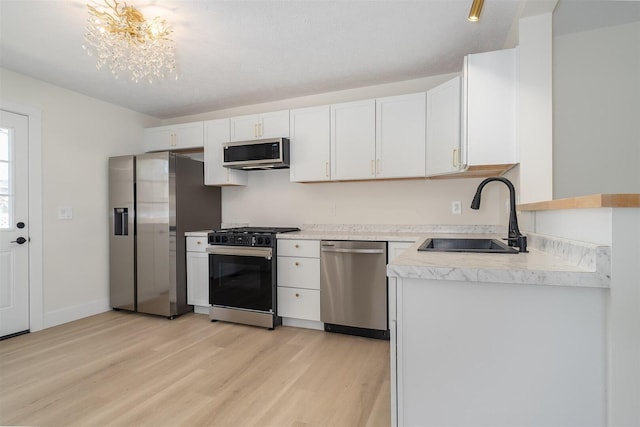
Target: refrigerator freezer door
155	181
121	233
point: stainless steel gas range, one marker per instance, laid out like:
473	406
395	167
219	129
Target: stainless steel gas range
243	274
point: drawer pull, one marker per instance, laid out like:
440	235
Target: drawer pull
198	242
297	263
297	246
297	295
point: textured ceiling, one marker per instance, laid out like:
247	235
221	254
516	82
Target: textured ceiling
233	53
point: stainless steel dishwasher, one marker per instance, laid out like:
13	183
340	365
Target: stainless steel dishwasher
353	287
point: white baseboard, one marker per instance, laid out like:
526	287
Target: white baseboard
201	309
300	323
69	314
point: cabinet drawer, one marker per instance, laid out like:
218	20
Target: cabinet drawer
299	272
299	303
197	244
299	248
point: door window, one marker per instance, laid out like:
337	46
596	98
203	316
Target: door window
5	180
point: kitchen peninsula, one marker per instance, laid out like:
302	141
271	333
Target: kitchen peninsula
529	339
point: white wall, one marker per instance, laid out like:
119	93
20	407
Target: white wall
596	93
270	199
78	135
620	229
535	109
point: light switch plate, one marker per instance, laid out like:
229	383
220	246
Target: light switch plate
65	212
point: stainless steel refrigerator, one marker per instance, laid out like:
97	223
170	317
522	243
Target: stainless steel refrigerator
154	199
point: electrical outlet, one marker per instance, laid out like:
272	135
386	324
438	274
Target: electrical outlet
456	207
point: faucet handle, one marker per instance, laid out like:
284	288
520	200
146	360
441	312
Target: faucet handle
520	241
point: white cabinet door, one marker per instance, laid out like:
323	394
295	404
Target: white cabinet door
400	136
353	139
245	127
260	126
198	278
443	128
174	137
299	303
158	138
216	134
310	136
299	272
189	135
490	90
299	248
275	124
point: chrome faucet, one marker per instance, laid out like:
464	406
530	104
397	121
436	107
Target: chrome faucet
515	238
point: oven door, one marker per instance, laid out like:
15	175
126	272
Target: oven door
241	277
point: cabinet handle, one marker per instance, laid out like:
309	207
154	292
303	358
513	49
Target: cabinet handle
297	263
326	169
255	130
260	129
198	242
378	167
455	157
297	295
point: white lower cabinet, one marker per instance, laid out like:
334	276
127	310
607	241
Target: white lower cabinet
198	274
298	303
497	354
299	282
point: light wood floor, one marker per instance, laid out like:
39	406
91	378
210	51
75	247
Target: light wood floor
123	369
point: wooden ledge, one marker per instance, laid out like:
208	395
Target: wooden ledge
586	202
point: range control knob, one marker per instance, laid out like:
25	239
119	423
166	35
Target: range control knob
267	241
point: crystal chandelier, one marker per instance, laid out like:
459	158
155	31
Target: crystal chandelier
120	37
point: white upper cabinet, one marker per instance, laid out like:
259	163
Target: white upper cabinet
490	108
216	134
353	139
260	126
310	136
443	128
174	137
400	136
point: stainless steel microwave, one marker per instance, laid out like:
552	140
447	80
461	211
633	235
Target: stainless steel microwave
272	153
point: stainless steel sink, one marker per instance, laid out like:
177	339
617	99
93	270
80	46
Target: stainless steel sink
467	245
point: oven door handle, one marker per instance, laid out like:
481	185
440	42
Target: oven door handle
241	251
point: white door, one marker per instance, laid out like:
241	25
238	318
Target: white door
14	226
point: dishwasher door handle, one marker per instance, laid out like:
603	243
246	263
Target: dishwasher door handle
353	251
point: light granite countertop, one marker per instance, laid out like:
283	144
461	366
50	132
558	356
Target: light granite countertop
550	260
